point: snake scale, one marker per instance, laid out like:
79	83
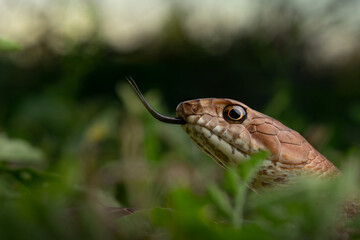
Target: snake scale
230	131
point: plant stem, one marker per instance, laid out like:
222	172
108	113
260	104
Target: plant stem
240	197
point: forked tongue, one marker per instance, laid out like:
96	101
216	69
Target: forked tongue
158	116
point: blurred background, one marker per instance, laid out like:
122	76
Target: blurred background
66	111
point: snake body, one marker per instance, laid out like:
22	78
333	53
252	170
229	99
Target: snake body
227	141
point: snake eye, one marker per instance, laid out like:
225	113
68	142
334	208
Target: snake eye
234	113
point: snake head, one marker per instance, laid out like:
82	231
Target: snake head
219	127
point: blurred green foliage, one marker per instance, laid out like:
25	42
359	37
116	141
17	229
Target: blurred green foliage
7	45
75	140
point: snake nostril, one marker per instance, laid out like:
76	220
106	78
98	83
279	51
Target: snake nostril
194	108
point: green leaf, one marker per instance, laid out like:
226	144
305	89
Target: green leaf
19	151
7	45
220	198
248	168
231	181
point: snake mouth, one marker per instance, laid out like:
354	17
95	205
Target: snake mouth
215	146
155	114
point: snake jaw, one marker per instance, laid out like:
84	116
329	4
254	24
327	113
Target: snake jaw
214	146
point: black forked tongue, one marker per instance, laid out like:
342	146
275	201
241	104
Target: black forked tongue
155	114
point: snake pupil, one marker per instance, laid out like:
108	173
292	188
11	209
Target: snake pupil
234	113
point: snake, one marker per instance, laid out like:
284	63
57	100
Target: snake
229	132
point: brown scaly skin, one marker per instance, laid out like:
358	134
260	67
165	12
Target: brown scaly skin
225	141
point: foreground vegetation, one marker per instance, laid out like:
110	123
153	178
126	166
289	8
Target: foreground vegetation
126	158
